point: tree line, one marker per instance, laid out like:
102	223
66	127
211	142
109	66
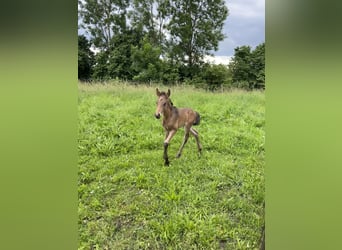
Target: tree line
162	41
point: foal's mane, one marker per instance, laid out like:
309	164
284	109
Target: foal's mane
164	94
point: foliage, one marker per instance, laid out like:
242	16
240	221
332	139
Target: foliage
100	69
146	63
85	58
215	76
116	61
248	67
180	32
164	41
103	19
240	65
195	28
119	61
258	61
170	72
151	17
129	200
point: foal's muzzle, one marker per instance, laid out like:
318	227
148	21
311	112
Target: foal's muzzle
157	116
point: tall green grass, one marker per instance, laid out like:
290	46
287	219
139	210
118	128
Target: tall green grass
129	200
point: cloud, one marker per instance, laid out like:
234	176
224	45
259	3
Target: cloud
246	8
217	59
245	25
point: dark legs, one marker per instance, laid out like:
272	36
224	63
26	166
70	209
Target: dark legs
170	134
168	137
166	159
186	137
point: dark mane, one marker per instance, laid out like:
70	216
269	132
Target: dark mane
164	94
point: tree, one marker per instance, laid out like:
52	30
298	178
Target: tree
150	17
120	57
181	31
215	76
102	19
85	58
241	67
145	61
116	62
248	67
195	28
100	70
258	60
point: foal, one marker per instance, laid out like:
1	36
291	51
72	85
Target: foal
175	118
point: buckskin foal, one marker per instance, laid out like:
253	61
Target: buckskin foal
175	118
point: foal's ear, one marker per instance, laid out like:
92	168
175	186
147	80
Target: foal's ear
157	92
168	92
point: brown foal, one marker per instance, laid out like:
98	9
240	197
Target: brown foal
175	118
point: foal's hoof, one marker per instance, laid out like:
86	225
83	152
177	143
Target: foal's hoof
178	155
166	163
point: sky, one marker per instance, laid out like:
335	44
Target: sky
245	25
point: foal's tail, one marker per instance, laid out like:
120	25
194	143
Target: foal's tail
198	119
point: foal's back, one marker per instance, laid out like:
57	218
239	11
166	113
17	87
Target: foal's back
186	117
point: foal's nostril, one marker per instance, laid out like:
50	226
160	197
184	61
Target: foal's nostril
157	116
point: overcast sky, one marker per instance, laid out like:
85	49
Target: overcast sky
245	25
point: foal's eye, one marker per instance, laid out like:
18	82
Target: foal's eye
164	104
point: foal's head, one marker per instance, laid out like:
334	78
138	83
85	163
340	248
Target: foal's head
163	102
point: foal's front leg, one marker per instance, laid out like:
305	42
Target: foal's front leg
168	137
166	159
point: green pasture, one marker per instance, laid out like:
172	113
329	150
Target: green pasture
129	200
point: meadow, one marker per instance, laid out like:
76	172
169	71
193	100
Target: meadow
128	199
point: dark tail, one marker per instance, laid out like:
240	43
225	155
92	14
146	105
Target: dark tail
198	119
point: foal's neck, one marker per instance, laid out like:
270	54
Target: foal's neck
168	112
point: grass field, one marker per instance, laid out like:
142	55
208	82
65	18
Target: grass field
129	200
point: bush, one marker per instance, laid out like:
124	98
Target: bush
215	75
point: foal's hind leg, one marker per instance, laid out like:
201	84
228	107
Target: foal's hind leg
195	134
186	137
